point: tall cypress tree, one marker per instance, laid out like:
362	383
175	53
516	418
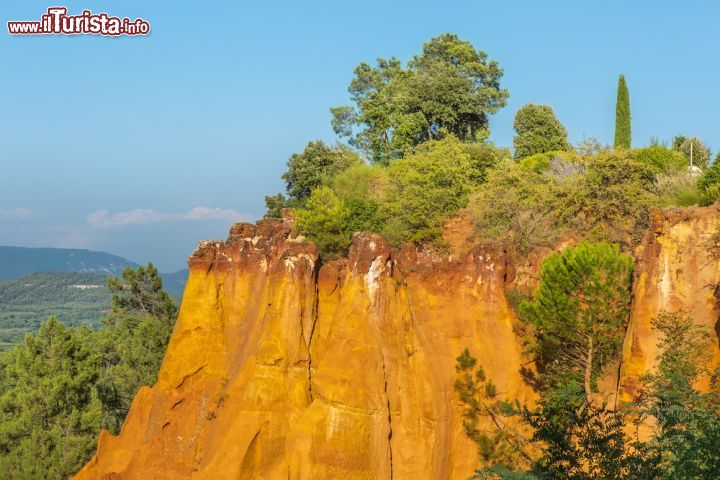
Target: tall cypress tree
622	115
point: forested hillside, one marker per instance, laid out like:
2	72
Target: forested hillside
75	299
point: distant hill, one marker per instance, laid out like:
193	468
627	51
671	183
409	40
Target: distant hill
174	283
69	284
16	262
74	298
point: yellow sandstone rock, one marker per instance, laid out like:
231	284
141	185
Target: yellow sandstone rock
282	368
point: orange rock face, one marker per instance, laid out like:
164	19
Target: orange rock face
677	269
282	368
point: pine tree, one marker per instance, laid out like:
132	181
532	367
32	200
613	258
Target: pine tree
622	115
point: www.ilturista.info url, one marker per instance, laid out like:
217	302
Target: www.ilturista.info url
57	22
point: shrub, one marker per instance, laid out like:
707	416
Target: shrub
534	202
362	189
424	187
678	190
612	198
324	220
483	157
709	183
660	160
516	205
308	170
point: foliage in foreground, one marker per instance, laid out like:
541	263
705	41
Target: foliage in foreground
59	388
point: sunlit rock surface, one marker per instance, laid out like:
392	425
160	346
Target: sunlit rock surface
282	368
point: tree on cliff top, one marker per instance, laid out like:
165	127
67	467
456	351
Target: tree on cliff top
693	149
538	131
306	171
450	87
622	115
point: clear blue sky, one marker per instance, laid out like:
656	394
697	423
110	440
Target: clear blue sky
143	146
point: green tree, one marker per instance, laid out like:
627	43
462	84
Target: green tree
687	421
568	438
59	388
424	187
693	149
622	115
537	130
709	183
49	413
141	292
324	221
306	171
580	310
450	87
132	347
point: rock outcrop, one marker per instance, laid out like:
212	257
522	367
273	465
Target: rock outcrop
284	368
677	268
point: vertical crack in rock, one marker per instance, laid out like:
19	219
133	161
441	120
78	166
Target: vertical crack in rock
389	414
315	314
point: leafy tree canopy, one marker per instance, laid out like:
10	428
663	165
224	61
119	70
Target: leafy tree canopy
580	310
449	88
537	130
692	147
62	385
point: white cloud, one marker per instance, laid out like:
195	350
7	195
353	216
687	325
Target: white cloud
142	216
18	214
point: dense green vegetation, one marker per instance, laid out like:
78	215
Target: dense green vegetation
450	88
75	299
538	131
623	136
63	384
577	319
422	155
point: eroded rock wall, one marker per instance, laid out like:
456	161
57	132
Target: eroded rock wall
677	269
282	368
279	368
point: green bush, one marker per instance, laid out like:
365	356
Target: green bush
660	160
362	189
679	189
709	183
541	198
308	170
424	187
324	221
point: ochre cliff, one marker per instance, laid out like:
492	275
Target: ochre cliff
280	368
284	368
677	269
